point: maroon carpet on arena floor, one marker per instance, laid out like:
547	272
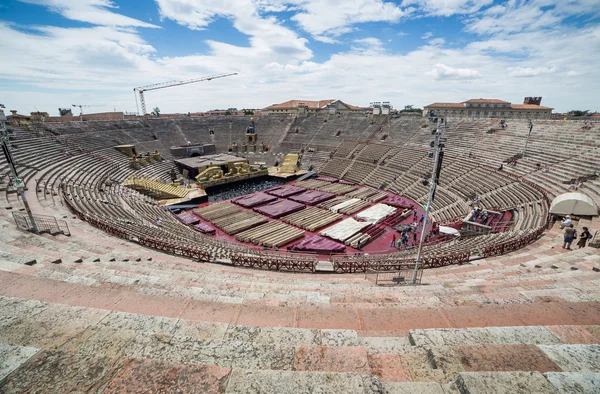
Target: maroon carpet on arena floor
318	244
312	197
279	208
187	217
253	200
285	191
204	228
397	201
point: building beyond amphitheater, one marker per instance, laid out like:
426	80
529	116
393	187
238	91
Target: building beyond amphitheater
119	294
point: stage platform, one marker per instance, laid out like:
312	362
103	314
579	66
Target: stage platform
317	244
254	200
279	208
312	197
285	191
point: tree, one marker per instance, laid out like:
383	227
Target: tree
248	112
156	111
578	112
411	108
228	112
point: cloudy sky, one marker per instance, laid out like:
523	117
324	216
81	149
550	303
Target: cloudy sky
55	53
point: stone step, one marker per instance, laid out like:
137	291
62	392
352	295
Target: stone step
574	382
300	382
503	383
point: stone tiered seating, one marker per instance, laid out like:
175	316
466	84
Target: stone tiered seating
372	152
335	167
345	148
358	171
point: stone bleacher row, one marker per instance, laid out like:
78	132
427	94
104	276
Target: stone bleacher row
408	164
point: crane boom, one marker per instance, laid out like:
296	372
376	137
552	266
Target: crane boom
140	90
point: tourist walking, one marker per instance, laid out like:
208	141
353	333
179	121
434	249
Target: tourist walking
393	240
570	235
584	237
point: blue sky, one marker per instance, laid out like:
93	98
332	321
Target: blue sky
94	52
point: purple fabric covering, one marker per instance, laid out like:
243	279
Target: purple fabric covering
279	208
187	217
285	191
397	201
204	228
254	200
312	197
319	245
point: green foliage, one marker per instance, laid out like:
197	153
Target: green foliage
578	112
156	111
411	108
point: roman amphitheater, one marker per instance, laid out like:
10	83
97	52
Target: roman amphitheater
117	293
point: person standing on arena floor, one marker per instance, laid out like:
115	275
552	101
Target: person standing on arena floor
584	237
393	240
570	235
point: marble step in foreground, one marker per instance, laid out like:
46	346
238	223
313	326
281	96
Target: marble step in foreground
49	347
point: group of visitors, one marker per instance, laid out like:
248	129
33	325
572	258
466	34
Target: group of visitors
409	236
571	234
480	214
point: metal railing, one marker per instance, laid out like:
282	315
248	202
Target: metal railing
45	224
393	278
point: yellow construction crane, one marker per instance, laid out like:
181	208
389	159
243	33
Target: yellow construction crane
140	90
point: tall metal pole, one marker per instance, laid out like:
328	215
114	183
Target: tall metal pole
528	135
432	185
16	180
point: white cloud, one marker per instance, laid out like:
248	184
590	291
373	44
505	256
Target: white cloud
90	11
369	45
102	64
427	35
530	71
333	17
442	71
448	7
268	38
517	16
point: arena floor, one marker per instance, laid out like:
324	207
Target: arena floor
382	244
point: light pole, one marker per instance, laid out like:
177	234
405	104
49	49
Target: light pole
438	145
530	124
15	176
